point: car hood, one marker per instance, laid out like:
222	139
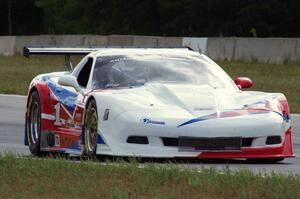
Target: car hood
197	100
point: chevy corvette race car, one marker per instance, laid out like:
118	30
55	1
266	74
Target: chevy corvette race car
161	103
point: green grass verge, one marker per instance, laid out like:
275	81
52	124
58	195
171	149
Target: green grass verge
48	178
278	78
16	72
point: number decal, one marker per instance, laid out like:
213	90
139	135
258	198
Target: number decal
57	115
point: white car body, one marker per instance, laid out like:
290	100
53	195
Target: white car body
175	111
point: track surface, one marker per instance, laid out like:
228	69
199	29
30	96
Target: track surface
12	110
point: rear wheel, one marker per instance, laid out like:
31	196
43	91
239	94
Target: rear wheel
91	129
34	124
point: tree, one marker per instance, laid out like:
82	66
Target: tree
268	18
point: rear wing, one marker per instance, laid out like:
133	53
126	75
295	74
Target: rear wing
27	51
67	52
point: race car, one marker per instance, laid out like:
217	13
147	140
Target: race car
152	102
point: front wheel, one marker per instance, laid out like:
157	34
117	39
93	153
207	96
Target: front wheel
91	129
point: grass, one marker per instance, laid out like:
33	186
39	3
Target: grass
48	178
278	78
16	72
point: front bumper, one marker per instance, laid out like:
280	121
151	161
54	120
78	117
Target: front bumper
257	128
283	151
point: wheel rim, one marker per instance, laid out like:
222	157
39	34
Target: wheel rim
34	122
92	128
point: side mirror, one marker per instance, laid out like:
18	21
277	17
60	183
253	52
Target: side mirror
243	82
69	80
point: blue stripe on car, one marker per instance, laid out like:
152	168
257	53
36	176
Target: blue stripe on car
214	116
66	97
100	140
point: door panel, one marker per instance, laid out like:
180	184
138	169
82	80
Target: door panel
64	134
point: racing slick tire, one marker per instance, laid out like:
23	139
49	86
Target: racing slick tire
33	124
91	129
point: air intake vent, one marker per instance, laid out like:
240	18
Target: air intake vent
211	144
273	140
137	140
206	143
170	141
246	142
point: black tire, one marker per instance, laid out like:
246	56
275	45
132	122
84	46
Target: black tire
91	129
33	124
264	160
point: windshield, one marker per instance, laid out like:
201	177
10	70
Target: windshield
132	71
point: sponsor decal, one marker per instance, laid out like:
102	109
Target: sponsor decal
57	140
119	59
203	108
150	121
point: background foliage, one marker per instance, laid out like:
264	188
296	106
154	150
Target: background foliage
248	18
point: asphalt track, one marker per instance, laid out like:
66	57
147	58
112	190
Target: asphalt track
12	110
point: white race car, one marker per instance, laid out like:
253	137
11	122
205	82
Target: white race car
162	103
